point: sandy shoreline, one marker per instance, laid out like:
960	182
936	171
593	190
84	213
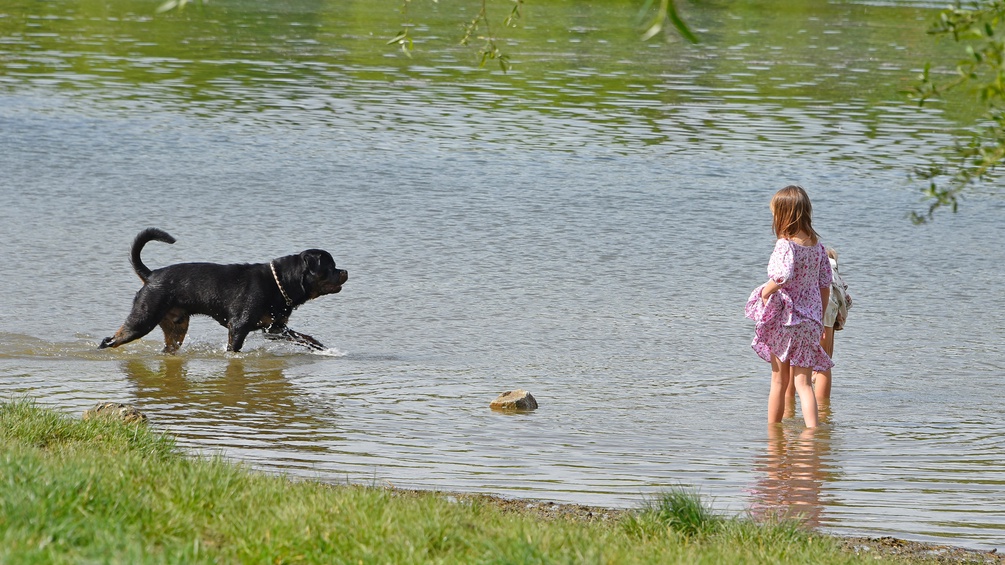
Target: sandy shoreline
879	546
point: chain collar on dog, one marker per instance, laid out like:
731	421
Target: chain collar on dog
275	277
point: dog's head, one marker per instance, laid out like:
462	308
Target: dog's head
316	273
321	276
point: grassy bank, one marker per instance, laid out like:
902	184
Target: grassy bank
76	491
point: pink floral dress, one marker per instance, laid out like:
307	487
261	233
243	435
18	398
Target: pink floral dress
790	324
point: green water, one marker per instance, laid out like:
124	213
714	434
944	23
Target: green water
564	54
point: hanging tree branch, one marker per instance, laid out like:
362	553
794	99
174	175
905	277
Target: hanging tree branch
975	157
490	49
656	17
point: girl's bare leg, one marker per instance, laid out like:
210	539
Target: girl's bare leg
780	375
790	399
822	386
822	379
807	399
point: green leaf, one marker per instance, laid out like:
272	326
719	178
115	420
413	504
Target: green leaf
167	6
668	11
681	26
402	36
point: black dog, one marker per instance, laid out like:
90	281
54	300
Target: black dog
241	297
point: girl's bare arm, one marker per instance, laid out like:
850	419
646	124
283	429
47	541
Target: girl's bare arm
825	295
770	288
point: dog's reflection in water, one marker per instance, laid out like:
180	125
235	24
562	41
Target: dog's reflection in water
247	399
793	471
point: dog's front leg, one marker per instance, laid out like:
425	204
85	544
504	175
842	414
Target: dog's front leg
306	340
235	338
283	332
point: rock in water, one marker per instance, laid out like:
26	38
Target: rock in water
115	411
518	399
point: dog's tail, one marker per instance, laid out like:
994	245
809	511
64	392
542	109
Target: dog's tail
149	234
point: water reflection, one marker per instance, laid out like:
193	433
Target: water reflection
793	470
251	399
823	407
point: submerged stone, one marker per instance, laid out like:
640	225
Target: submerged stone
518	399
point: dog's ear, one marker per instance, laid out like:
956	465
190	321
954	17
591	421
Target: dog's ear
312	262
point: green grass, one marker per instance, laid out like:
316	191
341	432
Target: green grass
75	491
683	511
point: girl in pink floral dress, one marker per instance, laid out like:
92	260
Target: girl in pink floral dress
788	308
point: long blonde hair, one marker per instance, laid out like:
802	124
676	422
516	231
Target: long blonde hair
792	213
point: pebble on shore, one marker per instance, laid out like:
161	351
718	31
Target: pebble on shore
116	411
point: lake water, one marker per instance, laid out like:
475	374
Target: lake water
586	227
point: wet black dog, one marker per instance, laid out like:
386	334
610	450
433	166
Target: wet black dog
241	297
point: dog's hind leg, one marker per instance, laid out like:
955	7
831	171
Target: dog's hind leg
147	312
129	331
175	326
